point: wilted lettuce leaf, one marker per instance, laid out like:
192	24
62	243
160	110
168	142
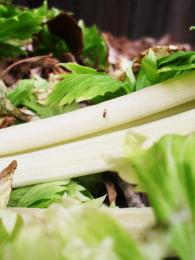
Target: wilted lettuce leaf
43	195
85	84
95	50
84	234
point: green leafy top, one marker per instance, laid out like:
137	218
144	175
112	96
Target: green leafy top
85	84
43	195
18	25
156	69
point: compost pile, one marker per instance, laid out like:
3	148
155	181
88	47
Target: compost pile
72	166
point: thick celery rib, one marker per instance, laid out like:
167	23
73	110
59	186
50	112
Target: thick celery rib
87	156
94	119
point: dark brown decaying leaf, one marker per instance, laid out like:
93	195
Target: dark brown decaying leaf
65	27
6	176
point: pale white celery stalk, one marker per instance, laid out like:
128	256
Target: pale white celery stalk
94	119
88	156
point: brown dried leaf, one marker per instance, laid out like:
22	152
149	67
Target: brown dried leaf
7	121
6	176
22	68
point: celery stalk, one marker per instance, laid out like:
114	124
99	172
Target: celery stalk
107	115
88	156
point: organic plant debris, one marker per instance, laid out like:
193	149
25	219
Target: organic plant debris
51	64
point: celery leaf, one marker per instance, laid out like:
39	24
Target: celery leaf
43	195
83	86
95	50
